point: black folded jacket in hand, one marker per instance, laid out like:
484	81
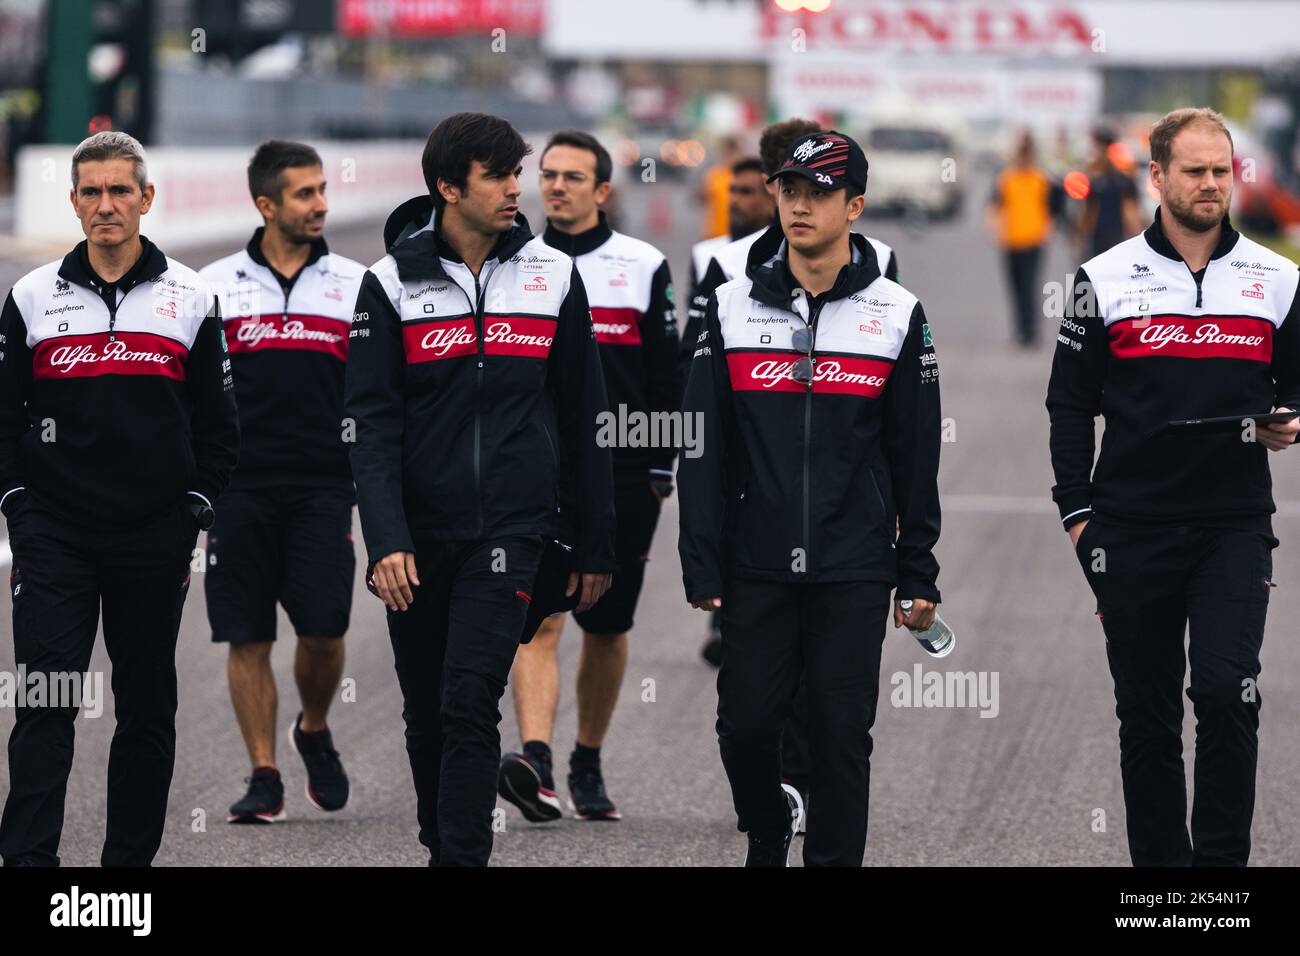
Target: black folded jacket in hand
548	595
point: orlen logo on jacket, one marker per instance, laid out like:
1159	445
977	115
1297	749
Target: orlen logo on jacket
537	285
873	327
1256	291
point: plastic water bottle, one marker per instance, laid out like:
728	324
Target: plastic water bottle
938	640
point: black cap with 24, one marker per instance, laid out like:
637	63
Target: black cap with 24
829	159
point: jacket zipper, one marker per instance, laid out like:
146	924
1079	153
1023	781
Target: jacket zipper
807	440
479	293
1198	278
476	307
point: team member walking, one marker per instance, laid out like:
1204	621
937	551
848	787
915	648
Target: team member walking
1019	213
818	384
285	533
1187	320
629	289
117	432
474	380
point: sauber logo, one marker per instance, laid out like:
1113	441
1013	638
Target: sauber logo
1158	336
773	372
537	285
1256	291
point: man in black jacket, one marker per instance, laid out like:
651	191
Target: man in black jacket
1188	320
117	431
475	384
818	387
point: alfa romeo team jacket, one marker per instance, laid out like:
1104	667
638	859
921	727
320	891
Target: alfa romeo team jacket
288	341
802	482
476	397
1146	341
116	399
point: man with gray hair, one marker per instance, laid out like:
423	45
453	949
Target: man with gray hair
117	431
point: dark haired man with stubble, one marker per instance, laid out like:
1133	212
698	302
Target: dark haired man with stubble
475	383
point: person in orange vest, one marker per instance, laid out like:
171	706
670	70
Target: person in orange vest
715	189
1020	212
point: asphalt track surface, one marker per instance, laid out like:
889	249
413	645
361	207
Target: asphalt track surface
949	786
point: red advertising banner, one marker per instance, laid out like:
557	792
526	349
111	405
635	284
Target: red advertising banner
439	18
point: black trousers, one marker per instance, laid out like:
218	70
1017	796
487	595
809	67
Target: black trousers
796	754
62	574
1152	587
453	649
829	635
1022	272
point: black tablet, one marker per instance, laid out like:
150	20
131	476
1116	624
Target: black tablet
1228	423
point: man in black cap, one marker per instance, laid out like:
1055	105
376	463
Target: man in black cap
817	384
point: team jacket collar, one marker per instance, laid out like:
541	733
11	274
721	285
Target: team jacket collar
413	240
773	284
1157	240
254	250
578	244
151	264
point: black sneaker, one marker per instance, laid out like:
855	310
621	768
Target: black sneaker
327	784
588	799
529	786
264	802
772	849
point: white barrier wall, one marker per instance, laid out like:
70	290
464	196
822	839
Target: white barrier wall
202	194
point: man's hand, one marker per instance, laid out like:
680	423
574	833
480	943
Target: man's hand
918	619
395	578
594	587
1278	435
1075	531
708	604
